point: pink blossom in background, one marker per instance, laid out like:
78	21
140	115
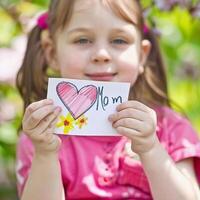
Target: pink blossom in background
11	60
7	111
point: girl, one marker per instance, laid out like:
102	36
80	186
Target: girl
158	154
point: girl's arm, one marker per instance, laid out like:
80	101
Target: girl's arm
168	180
44	181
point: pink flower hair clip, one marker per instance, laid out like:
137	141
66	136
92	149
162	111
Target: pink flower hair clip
145	29
42	21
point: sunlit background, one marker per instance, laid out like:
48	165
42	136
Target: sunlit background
176	23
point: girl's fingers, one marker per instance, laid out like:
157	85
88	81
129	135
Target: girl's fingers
53	123
129	123
48	138
35	118
43	137
36	105
51	127
144	127
133	104
48	122
136	136
55	142
128	113
52	140
128	132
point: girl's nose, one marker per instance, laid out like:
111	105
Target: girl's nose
101	56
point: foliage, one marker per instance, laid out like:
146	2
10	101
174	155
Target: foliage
175	21
10	118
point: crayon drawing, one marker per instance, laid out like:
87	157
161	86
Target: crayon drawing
77	102
86	105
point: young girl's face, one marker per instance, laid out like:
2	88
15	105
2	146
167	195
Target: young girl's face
99	45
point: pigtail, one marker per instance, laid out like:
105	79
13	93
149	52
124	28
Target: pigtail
31	78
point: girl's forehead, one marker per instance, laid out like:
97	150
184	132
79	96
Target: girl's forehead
85	6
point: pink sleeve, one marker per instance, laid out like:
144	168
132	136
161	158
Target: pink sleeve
23	162
184	143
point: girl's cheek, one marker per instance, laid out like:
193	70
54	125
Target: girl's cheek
67	60
130	73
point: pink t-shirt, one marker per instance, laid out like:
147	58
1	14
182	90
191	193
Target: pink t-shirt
104	167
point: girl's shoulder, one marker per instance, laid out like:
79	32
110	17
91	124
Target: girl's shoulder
170	117
178	136
174	126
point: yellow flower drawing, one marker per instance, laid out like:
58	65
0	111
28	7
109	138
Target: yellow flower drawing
81	121
67	122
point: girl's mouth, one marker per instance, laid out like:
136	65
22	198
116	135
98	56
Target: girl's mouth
101	76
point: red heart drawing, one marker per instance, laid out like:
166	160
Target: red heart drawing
77	101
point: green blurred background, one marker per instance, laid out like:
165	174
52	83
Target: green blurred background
179	33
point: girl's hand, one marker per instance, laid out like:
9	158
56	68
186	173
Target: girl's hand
137	122
39	124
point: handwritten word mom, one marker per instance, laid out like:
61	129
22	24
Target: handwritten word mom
103	101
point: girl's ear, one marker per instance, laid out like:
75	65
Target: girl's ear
49	50
145	50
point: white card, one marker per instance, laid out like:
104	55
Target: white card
86	105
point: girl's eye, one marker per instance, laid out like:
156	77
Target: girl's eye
118	41
83	41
